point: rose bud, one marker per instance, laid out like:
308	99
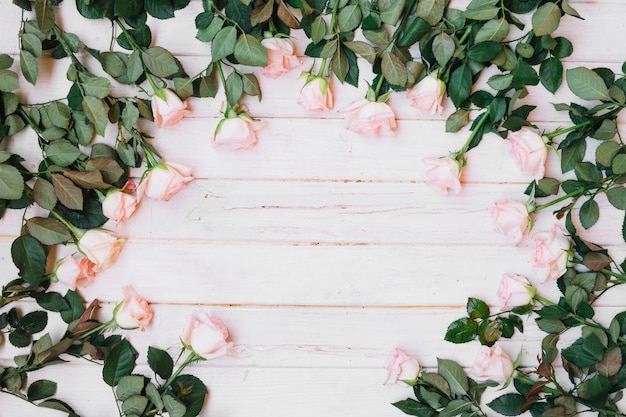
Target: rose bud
316	94
371	118
427	95
491	363
119	205
167	108
281	57
74	271
237	131
401	368
442	174
529	152
163	180
514	291
511	218
100	246
206	336
133	312
551	253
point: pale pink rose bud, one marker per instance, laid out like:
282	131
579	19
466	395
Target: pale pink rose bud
514	291
491	363
100	246
551	253
401	368
119	205
281	57
316	94
206	336
510	218
427	95
442	174
164	180
167	108
237	132
75	271
133	312
369	118
529	152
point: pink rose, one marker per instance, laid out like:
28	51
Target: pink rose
551	253
401	367
167	108
370	118
491	363
514	291
119	205
529	152
316	94
511	218
427	95
101	246
133	312
206	336
281	57
164	180
442	174
74	271
237	132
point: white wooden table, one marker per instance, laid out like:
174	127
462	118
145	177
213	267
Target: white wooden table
321	250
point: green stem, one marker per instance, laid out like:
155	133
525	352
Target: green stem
78	233
477	128
220	71
108	325
193	357
579	191
379	85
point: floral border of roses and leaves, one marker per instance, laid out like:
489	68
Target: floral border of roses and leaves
422	47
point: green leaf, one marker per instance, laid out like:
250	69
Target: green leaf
161	9
606	131
577	355
340	64
414	408
318	29
443	48
119	363
224	43
44	14
29	67
455	376
75	309
97	113
30	258
415	28
160	362
51	301
11	182
486	12
6	61
349	18
128	386
457	120
60	114
461	331
174	407
495	30
552	326
362	49
586	84
98	87
62	152
551	74
249	51
192	392
455	408
393	69
477	309
234	88
617	197
431	10
460	86
41	389
546	19
87	179
508	404
34	322
390	10
484	51
134	405
153	395
8	80
134	67
160	61
68	194
48	231
208	34
500	82
589	213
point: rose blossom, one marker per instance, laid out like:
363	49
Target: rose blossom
205	335
491	363
73	271
401	367
510	218
370	118
514	291
550	253
237	132
442	174
163	181
280	57
119	204
167	108
316	94
529	152
101	246
427	95
133	312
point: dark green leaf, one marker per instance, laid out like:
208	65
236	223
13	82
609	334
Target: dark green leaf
34	322
551	74
119	363
508	404
460	86
589	213
414	408
160	362
454	375
477	309
192	392
224	43
461	331
160	62
30	258
41	389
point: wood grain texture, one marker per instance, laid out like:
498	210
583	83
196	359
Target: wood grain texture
321	250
